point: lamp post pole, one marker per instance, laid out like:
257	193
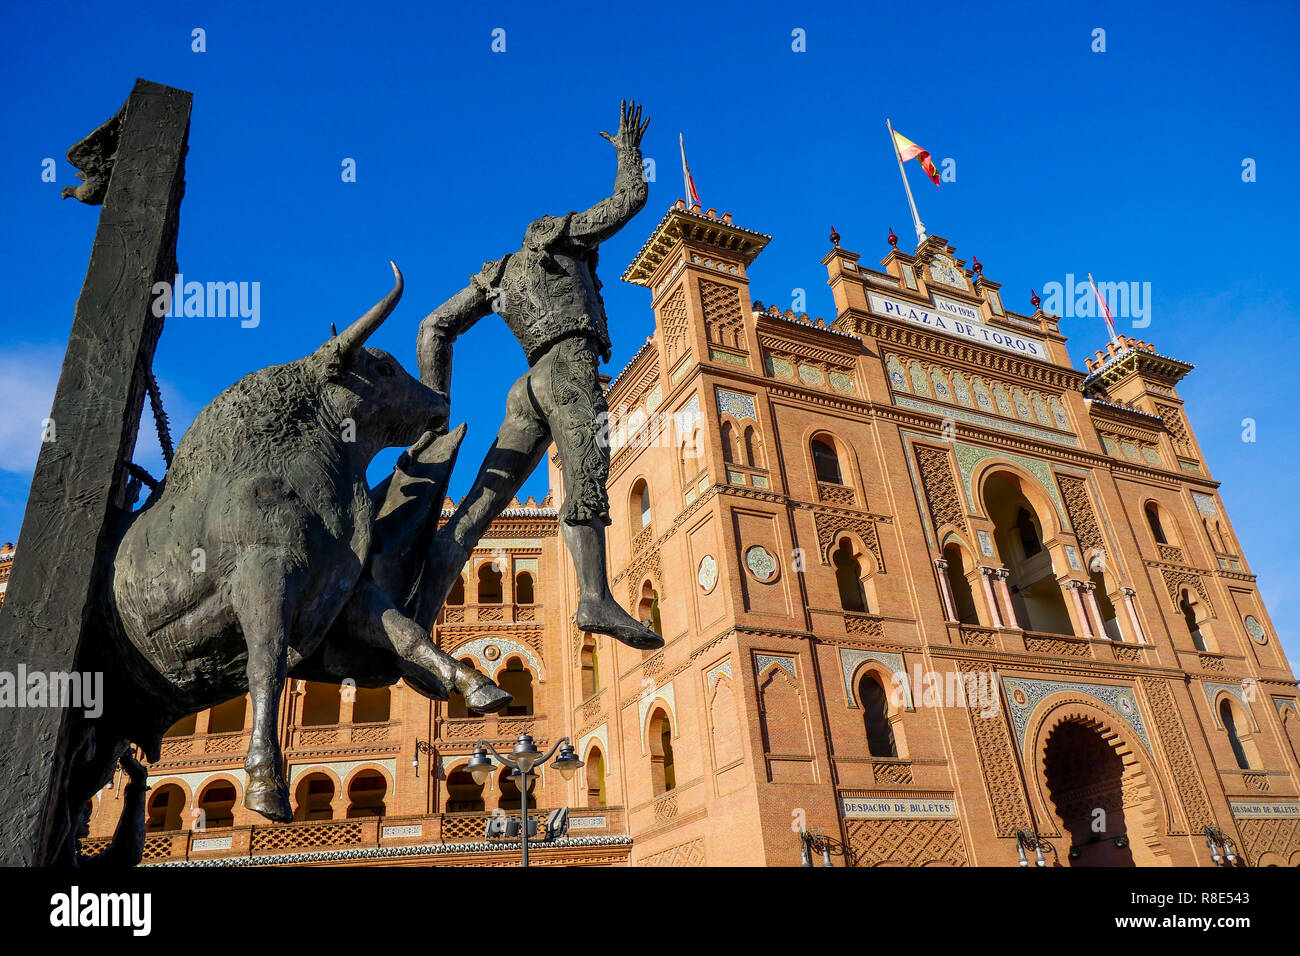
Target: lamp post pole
521	762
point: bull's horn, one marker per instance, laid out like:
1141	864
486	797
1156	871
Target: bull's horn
355	335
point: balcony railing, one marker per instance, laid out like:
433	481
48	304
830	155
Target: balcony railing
361	833
312	737
492	727
488	614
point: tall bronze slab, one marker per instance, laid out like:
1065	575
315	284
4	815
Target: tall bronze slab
48	622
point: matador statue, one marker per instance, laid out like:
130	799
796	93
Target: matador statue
549	296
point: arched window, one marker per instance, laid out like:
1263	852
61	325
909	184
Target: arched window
1037	598
826	462
228	718
218	805
962	595
1189	618
753	448
1031	541
648	609
489	583
517	681
508	786
523	588
875	714
590	667
728	443
644	505
1230	726
371	705
663	770
165	807
1153	519
1109	619
183	727
457	595
320	704
463	794
366	794
848	575
595	778
315	794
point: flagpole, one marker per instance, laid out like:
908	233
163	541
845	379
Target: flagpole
686	176
1105	310
916	218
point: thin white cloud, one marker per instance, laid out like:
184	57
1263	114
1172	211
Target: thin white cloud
28	377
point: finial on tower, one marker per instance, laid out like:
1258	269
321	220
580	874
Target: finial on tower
1034	300
835	238
979	266
893	239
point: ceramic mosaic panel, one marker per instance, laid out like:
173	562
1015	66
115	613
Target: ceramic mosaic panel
740	407
1024	694
851	657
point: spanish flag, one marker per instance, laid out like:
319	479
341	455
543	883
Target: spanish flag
909	150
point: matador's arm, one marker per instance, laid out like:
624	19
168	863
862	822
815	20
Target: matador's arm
595	225
444	324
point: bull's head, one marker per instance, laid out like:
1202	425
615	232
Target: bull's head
388	406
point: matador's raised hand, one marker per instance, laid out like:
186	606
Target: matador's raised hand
630	127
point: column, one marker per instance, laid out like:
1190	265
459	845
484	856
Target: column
994	611
1080	614
1094	609
1000	576
1131	605
945	589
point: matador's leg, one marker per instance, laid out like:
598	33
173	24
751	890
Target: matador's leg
520	445
577	415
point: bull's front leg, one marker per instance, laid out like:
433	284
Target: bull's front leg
261	589
374	619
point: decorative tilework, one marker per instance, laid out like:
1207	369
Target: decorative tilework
1072	556
760	562
988	421
707	574
759	481
340	767
961	390
909	276
601	734
730	358
506	646
919	385
1205	504
682	368
1255	630
841	382
968	456
986	543
812	375
1284	704
717	670
739	406
669	697
897	377
761	662
942	270
654	399
851	657
687	417
1212	691
1058	414
1024	694
1151	455
779	367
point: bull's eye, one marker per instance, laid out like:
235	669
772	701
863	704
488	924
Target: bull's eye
386	369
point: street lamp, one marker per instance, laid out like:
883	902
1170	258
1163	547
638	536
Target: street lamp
521	762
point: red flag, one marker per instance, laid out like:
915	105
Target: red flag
909	150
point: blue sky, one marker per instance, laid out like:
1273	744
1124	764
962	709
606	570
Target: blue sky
1125	163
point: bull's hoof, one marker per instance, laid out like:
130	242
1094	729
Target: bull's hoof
606	617
270	800
485	697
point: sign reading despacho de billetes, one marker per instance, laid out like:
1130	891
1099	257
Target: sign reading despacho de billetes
959	319
1264	810
894	808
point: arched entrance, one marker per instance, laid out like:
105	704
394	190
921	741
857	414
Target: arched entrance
1097	792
